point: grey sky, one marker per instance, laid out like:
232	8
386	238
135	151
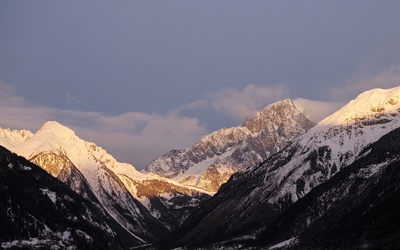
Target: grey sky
116	72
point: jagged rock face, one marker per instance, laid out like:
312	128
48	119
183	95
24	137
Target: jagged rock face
51	162
61	167
169	203
211	179
211	161
300	166
71	176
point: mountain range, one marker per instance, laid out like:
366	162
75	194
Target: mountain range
276	181
253	200
210	162
146	205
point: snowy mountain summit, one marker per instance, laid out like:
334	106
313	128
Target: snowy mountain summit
143	204
313	158
368	106
337	140
332	144
211	161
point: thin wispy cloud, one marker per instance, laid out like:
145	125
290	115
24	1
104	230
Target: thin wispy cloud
7	96
70	99
242	104
5	89
385	79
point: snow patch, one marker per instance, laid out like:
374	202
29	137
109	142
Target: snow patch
66	235
285	243
52	195
26	168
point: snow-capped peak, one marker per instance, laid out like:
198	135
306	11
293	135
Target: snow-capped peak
372	103
98	176
51	136
56	128
218	155
335	142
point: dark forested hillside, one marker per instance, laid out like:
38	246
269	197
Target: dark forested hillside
357	208
37	210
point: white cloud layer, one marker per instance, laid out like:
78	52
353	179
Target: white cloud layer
133	137
240	104
138	137
317	110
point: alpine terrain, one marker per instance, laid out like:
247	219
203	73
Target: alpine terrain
146	205
38	211
211	161
356	208
282	197
279	183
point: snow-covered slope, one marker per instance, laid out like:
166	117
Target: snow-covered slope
356	207
12	138
211	161
58	150
258	194
145	204
39	212
333	143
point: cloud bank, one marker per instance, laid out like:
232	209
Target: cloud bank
317	110
132	137
138	137
242	104
239	104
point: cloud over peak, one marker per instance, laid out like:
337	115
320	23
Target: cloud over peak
387	78
134	137
239	104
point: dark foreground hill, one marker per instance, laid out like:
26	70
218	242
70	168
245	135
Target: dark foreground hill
357	208
39	211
